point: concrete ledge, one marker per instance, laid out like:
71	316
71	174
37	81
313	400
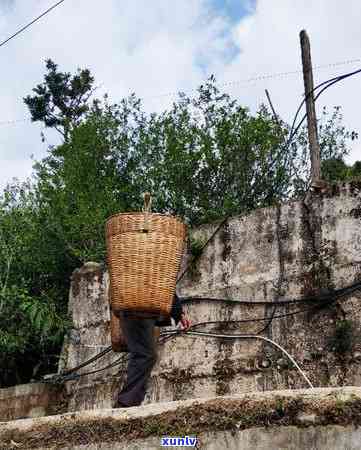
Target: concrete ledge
241	421
31	400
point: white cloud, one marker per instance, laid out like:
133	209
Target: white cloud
269	43
156	47
141	46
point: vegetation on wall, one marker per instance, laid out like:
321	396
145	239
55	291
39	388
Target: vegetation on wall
343	338
204	158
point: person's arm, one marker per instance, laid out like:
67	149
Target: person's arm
178	314
177	309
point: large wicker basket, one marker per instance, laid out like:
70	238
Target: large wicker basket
116	334
144	252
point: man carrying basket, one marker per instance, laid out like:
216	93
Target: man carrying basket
144	252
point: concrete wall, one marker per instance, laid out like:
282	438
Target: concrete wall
89	309
31	400
289	420
292	251
295	250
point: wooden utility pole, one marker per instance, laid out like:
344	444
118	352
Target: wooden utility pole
310	109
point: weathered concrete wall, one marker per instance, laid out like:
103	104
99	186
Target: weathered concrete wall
89	309
31	400
311	419
292	251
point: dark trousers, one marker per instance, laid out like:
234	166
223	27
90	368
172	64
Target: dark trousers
139	335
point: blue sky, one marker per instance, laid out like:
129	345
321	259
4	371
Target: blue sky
234	9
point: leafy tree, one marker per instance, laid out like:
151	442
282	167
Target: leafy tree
32	320
356	169
62	100
85	180
209	157
333	138
335	170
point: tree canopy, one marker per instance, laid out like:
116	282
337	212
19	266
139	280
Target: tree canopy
62	100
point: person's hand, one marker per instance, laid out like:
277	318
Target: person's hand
185	323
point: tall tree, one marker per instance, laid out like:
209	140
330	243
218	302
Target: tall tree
62	99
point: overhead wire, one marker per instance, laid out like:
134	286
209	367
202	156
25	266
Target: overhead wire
258	78
330	82
293	131
10	122
228	83
30	23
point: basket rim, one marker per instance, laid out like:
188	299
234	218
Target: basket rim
138	213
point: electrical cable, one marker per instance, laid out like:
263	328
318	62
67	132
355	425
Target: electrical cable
258	78
269	322
31	23
171	334
328	84
292	134
175	333
228	83
85	363
195	259
322	303
75	376
249	336
11	122
262	319
322	297
337	78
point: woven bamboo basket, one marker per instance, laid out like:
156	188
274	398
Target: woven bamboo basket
117	337
119	343
144	252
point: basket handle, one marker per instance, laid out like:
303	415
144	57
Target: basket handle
146	209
